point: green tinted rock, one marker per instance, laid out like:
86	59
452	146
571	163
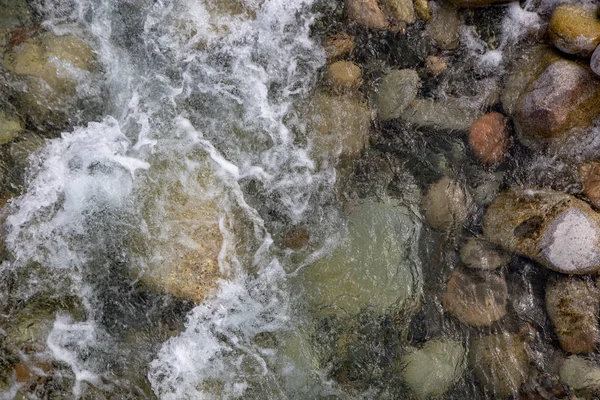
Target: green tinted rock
397	89
10	126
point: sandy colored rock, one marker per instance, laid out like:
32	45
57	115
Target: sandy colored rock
397	89
344	76
444	27
401	10
435	65
563	97
475	300
480	254
422	9
446	204
489	138
339	45
557	230
339	125
589	175
575	29
367	13
573	305
433	369
10	126
580	373
500	362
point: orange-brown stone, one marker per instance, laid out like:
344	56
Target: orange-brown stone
489	138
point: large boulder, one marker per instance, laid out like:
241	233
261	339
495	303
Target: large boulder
573	305
557	230
375	267
48	70
560	100
575	29
431	370
500	362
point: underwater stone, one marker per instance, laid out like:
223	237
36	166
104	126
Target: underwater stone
580	374
589	175
397	89
478	3
10	126
573	305
433	369
480	254
49	66
500	362
376	267
563	97
443	29
445	115
476	300
366	13
446	204
436	65
401	10
489	138
339	45
595	61
555	229
575	29
422	9
344	76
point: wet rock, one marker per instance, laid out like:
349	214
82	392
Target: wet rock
367	13
296	237
575	29
339	45
500	362
562	98
595	61
422	9
580	374
478	3
445	115
433	369
557	230
49	69
444	27
10	126
344	76
376	266
340	125
480	254
436	65
401	10
476	300
16	23
489	138
573	305
446	204
397	89
589	175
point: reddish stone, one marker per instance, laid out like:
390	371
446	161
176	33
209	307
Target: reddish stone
23	372
489	138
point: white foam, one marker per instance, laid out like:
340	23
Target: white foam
571	243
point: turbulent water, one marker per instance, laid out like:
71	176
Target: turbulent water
197	96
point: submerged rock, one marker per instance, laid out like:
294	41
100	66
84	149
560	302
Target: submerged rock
376	267
367	13
575	29
476	300
344	76
445	115
500	362
589	175
478	3
433	369
573	305
489	138
50	68
397	89
422	9
436	65
580	374
339	45
444	27
557	230
480	254
401	10
10	126
562	98
595	61
446	204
